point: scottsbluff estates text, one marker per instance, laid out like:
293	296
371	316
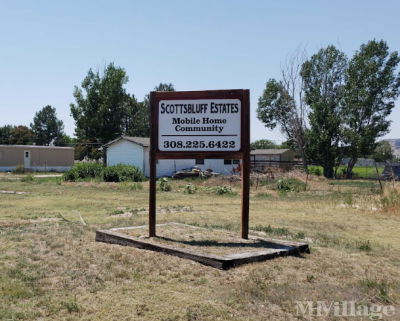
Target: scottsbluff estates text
213	108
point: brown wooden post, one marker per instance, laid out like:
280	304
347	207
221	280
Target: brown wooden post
153	169
245	164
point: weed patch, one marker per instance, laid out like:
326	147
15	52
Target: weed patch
164	184
71	305
28	178
281	231
390	200
221	190
190	189
378	289
290	185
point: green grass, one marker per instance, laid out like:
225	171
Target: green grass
362	172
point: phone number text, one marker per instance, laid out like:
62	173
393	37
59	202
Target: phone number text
199	144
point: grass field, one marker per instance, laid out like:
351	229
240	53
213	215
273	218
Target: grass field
52	269
361	172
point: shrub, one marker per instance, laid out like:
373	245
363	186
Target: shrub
165	184
222	190
365	246
69	176
300	235
290	185
315	171
20	169
28	179
190	189
122	173
83	170
71	305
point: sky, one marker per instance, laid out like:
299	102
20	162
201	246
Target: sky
47	47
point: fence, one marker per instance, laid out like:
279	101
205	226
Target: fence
362	172
263	165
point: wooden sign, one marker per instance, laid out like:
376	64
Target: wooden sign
199	125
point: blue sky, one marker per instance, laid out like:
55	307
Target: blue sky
47	47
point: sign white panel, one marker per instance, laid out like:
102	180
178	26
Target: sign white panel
204	125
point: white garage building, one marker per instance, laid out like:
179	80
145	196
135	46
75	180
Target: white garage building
135	151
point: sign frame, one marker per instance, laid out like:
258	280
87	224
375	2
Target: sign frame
243	153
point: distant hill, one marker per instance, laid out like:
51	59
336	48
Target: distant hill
395	143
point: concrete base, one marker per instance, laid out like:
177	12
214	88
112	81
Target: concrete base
275	248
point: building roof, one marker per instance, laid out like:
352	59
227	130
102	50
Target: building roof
37	146
142	141
268	151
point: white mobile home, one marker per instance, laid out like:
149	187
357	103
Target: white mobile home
135	151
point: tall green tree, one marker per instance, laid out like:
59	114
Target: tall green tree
5	134
137	118
65	140
21	135
100	107
46	127
324	79
160	87
164	87
372	86
138	113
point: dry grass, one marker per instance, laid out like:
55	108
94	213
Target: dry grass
199	239
54	270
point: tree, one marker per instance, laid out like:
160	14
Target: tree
5	134
372	87
160	87
324	78
137	118
263	144
64	140
46	127
288	145
282	104
21	135
137	122
383	152
100	107
86	149
164	87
